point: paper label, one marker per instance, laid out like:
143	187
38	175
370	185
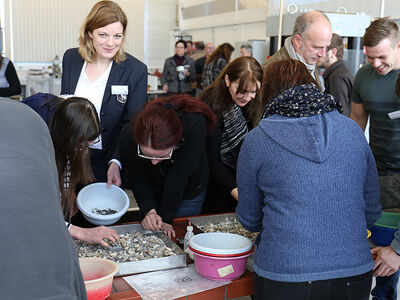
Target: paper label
394	114
225	271
119	90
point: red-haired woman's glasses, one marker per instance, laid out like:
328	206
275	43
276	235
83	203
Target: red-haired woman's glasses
159	157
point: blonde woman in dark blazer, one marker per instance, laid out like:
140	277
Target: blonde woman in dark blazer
100	70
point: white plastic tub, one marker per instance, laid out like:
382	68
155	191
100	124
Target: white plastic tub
97	195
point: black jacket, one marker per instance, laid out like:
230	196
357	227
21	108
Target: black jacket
165	185
113	114
339	83
11	76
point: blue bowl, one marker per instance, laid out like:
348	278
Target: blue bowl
382	233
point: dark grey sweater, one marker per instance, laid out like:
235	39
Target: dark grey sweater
38	257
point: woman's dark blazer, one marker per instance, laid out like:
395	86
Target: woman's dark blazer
113	114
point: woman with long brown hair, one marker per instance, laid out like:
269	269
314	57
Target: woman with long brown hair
235	98
74	126
308	183
217	61
164	156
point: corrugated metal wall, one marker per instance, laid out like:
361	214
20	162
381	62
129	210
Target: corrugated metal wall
160	20
44	28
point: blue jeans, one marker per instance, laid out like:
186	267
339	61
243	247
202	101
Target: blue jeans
386	287
191	207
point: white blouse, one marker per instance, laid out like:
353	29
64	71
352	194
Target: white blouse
93	91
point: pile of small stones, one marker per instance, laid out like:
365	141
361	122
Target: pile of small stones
105	211
231	226
133	247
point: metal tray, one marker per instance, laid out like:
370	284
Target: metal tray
153	264
223	222
216	219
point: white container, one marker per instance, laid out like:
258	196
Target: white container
221	244
97	195
152	81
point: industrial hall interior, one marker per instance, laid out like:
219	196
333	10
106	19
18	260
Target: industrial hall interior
200	149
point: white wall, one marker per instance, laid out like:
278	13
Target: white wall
257	30
37	30
234	25
392	8
160	22
231	33
43	28
371	8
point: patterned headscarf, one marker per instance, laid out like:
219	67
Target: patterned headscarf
302	101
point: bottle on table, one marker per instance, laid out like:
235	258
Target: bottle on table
189	234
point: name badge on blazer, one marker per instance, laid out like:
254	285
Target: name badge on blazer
121	91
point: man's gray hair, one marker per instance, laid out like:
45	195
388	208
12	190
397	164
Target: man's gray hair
248	47
304	21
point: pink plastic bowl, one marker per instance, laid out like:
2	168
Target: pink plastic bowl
220	268
220	255
98	274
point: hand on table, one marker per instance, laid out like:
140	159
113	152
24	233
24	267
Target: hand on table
94	235
152	221
386	261
165	87
168	230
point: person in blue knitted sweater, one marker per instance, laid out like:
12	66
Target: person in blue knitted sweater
307	180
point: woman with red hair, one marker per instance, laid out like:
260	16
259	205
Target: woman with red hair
164	159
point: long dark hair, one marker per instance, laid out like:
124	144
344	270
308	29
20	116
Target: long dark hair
245	69
159	126
74	123
224	50
282	75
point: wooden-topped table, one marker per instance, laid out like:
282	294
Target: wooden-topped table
238	288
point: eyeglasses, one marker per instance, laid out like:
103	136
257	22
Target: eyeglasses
161	157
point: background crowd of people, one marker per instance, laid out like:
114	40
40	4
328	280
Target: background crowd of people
274	142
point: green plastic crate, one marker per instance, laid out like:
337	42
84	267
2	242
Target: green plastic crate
382	233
